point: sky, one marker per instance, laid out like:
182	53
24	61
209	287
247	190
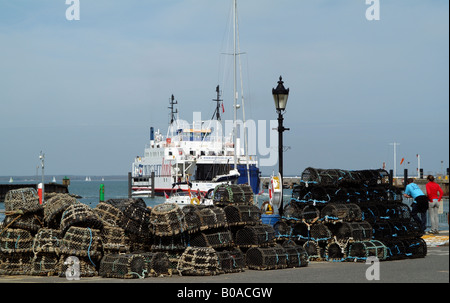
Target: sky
86	92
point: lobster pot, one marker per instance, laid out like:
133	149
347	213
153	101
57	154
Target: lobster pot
310	214
167	219
377	194
248	194
82	242
321	176
361	231
44	264
398	212
231	261
114	239
174	256
300	231
47	240
383	231
258	235
314	250
216	239
72	267
335	212
16	241
320	232
122	204
293	211
415	247
199	261
346	230
24	199
242	215
373	177
354	212
55	207
396	249
369	212
79	215
336	252
394	194
283	231
296	256
212	217
136	218
29	221
109	214
123	266
226	194
158	264
170	243
192	218
16	264
361	250
263	258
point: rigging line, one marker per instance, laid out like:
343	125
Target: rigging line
243	103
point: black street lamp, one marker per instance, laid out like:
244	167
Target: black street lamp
280	96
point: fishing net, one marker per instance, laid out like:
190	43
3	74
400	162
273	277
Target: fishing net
296	256
72	267
215	239
55	207
47	240
361	250
23	199
82	242
109	214
231	261
167	219
226	194
114	239
257	235
242	215
16	264
16	241
199	261
265	258
31	221
79	215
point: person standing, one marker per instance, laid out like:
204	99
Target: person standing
419	205
434	193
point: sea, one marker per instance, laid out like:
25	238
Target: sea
89	194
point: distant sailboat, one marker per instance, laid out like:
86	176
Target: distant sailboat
88	179
11	180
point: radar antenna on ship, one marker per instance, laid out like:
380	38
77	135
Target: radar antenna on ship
218	100
172	110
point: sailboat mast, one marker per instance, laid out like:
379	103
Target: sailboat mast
234	81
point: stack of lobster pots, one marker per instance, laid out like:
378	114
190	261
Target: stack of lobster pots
340	215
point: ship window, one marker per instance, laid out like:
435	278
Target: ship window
170	153
192	152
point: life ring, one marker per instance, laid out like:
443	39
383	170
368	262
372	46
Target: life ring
195	201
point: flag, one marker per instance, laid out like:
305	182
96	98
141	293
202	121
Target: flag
165	195
401	162
223	108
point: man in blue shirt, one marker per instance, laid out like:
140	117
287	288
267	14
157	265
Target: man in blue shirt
419	205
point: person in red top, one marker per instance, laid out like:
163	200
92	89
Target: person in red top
434	193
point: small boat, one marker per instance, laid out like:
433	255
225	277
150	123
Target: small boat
183	198
141	194
11	180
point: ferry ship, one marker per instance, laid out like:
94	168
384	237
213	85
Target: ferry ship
198	156
193	157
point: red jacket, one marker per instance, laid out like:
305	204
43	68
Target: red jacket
432	191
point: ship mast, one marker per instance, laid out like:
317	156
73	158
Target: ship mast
218	100
173	111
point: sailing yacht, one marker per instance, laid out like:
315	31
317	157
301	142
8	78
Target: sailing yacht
196	156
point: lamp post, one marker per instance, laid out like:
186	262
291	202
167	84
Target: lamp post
280	96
